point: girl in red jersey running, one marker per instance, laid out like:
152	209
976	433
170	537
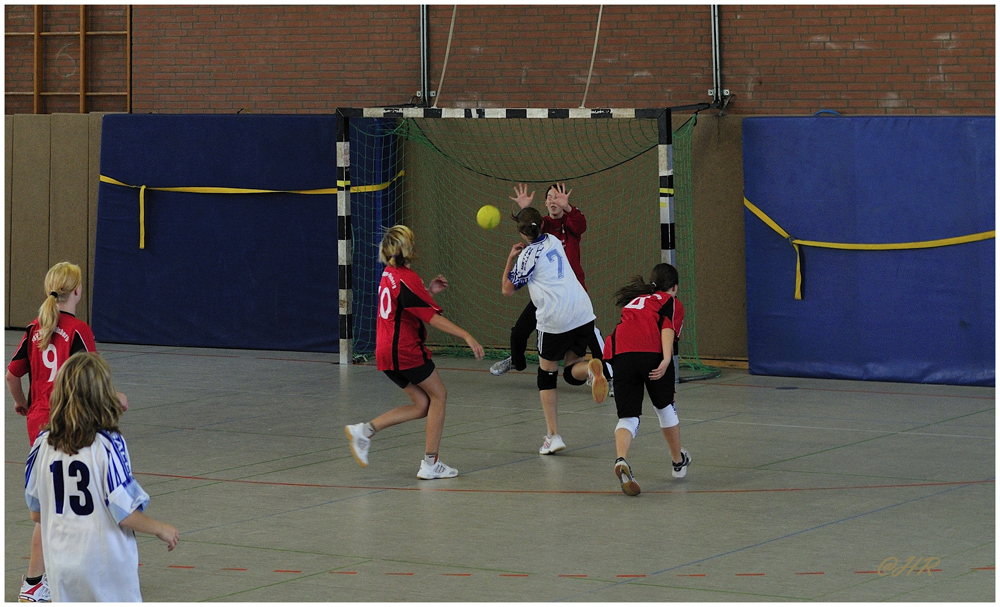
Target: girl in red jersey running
48	341
641	349
404	305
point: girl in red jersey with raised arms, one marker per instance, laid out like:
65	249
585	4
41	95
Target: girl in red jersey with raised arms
404	305
567	223
642	349
48	342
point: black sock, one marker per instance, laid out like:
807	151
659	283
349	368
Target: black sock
32	580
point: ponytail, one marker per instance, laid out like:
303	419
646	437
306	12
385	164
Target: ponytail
529	222
662	278
637	287
61	280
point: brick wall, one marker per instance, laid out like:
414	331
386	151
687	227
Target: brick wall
860	59
775	59
273	59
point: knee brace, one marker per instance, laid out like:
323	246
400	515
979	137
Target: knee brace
547	380
629	423
568	376
668	416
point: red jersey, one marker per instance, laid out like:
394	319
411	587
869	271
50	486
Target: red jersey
70	336
642	320
404	305
568	229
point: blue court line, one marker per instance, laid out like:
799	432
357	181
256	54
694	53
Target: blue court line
786	536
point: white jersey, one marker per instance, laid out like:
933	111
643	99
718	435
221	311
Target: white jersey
562	302
82	499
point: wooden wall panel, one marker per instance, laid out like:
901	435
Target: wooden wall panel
720	250
68	196
94	168
29	215
8	140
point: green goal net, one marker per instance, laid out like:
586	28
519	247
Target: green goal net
433	174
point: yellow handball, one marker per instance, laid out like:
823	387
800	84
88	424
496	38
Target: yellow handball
488	217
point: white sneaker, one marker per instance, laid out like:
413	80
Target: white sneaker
359	443
599	385
681	468
39	593
438	470
501	367
552	444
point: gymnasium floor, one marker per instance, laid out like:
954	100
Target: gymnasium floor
800	489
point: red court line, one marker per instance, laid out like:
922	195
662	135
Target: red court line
691	575
553	492
811	573
287	571
742	574
983	568
857	391
233	569
180	567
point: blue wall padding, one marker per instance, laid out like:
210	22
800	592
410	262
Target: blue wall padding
255	271
374	163
924	315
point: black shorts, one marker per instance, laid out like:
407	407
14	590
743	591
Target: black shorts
632	375
554	346
411	376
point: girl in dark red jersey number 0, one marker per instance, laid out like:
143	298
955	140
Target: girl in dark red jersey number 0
404	305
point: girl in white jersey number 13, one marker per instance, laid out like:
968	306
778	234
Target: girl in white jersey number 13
79	487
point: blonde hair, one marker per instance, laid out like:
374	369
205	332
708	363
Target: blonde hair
60	281
398	246
83	401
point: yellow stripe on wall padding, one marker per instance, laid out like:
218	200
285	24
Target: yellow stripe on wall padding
795	242
218	190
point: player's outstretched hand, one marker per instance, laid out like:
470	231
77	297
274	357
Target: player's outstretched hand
21	410
440	283
476	348
169	534
562	197
521	196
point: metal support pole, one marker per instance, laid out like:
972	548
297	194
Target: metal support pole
425	76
